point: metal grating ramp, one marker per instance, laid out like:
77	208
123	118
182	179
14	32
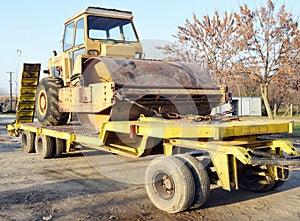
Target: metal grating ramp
26	98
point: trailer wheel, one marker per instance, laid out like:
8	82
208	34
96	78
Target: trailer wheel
43	146
250	179
47	110
278	184
170	184
59	147
284	173
201	179
27	141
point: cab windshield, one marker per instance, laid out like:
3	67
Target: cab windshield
111	29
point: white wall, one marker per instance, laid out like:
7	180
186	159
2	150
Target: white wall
248	106
244	106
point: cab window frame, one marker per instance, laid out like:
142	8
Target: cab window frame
79	31
68	39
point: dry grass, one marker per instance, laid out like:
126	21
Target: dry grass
4	102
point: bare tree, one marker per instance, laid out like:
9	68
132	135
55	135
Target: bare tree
209	40
261	45
269	46
243	85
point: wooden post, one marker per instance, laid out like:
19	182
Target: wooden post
291	109
287	110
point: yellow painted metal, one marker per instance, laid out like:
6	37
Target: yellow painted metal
215	148
226	168
88	141
172	129
131	149
26	98
222	166
111	50
68	137
234	173
167	129
284	146
124	150
168	149
223	158
62	61
92	99
12	129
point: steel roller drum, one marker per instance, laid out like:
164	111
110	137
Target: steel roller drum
148	77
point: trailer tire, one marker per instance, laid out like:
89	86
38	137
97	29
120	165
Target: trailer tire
47	109
170	184
27	141
279	183
201	179
43	146
59	147
249	179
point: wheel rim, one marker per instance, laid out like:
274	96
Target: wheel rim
42	103
250	179
164	184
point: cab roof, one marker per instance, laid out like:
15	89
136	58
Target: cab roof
104	12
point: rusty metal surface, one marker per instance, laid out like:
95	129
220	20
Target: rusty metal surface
148	87
147	73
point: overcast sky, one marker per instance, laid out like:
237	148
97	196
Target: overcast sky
35	27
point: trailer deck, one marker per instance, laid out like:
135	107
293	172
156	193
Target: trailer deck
74	133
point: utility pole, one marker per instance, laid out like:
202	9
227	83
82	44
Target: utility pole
19	53
10	89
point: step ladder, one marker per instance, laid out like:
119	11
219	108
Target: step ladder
26	100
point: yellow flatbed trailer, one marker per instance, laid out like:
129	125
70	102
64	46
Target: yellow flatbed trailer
235	149
232	154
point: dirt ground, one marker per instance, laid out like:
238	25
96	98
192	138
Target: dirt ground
76	187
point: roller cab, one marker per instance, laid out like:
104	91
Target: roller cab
91	33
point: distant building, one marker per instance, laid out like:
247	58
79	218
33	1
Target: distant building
243	106
247	106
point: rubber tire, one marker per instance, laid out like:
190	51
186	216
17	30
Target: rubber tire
49	115
43	146
201	179
279	183
27	141
254	183
180	176
59	147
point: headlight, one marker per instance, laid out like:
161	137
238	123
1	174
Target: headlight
93	52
